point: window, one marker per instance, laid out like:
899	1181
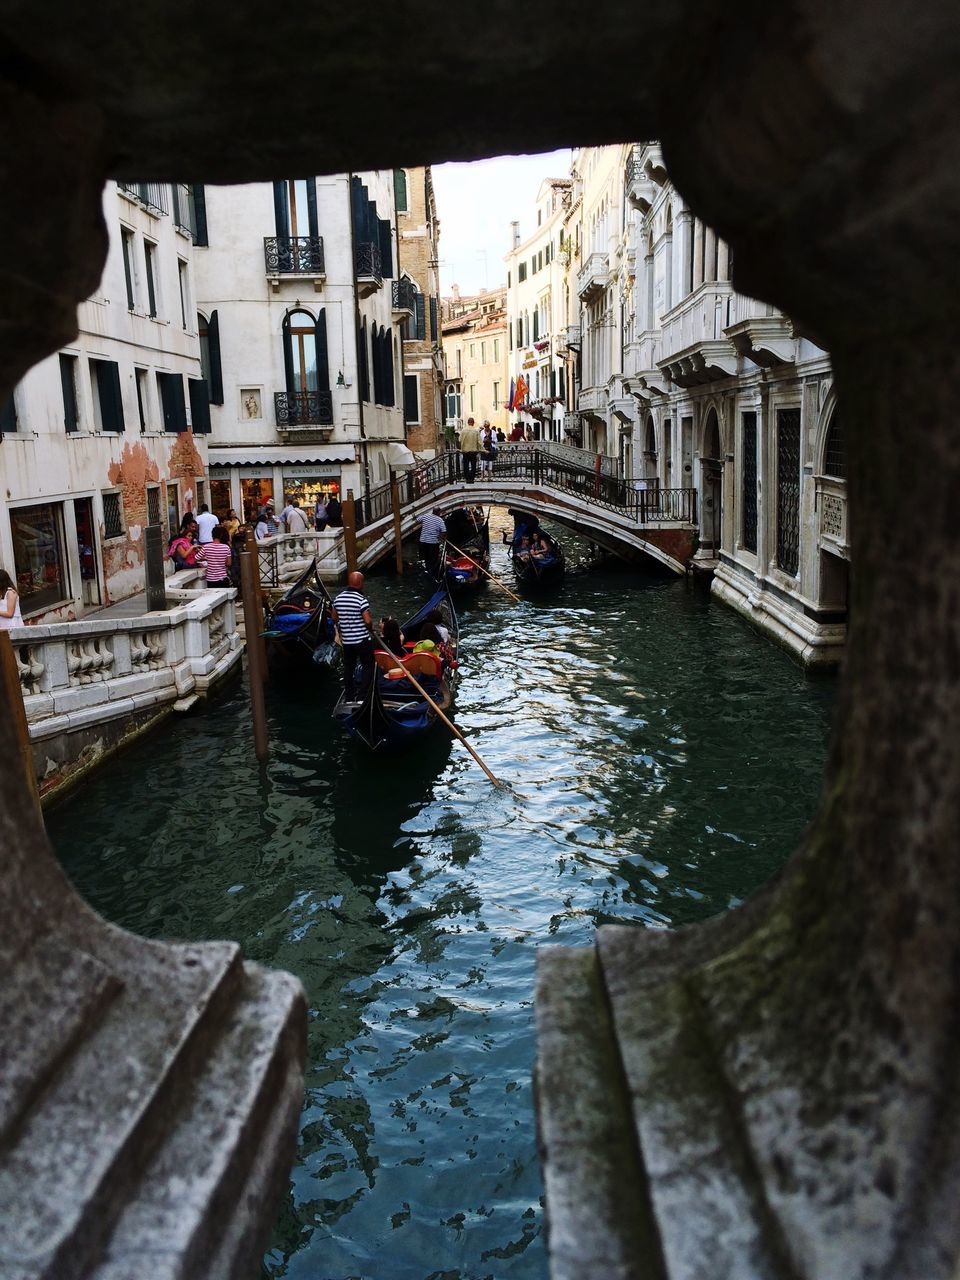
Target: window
363	360
198	213
295	208
788	490
39	563
306	366
172	402
473	397
208	332
400	190
496	395
201	493
483	353
508	279
835	451
150	260
68	384
107	398
748	528
533	265
8	415
126	243
521	272
411	397
140	377
540	260
173	507
153	504
473	351
453	401
112	515
184	291
496	351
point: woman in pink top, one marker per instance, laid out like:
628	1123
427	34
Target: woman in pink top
217	557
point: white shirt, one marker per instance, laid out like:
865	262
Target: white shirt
7	624
263	530
206	523
297	521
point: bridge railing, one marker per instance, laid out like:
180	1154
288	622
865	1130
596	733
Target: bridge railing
645	506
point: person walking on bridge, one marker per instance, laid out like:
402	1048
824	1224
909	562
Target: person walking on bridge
470	447
351	613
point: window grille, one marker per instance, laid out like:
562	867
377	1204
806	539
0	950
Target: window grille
153	504
788	490
748	531
112	516
835	452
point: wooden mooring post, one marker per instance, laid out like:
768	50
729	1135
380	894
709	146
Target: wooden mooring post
13	695
395	500
348	511
256	652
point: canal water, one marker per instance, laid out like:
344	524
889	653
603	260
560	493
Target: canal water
662	760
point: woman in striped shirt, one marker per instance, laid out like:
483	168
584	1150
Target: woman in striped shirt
217	558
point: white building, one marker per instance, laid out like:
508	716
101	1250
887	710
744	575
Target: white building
109	434
536	313
301	339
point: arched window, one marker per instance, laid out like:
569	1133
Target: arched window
301	336
400	190
308	396
711	437
835	450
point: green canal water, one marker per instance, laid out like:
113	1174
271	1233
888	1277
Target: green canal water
663	760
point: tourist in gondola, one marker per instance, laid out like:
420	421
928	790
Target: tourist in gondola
392	636
354	622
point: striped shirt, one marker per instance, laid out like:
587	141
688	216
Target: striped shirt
215	556
431	527
351	606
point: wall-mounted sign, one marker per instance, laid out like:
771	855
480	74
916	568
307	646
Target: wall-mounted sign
530	364
312	469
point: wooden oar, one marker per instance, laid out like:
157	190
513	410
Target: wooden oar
449	723
503	586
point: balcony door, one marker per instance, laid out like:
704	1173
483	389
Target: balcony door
295	207
307	397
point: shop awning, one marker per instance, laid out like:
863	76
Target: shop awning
280	455
399	457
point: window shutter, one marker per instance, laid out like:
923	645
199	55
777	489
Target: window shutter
358	202
8	416
198	196
216	371
111	401
411	411
172	401
420	323
69	387
372	232
511	335
364	361
288	357
323	362
312	206
433	318
281	210
390	398
536	325
377	356
400	190
386	248
199	405
553	382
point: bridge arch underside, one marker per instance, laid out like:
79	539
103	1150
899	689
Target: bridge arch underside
667	545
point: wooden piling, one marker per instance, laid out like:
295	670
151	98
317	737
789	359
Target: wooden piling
395	500
256	652
348	511
13	696
250	546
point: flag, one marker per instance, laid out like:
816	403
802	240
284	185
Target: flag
513	389
521	395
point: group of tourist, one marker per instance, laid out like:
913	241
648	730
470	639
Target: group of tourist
294	519
479	444
203	541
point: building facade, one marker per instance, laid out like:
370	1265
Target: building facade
476	359
301	339
109	435
418	233
536	315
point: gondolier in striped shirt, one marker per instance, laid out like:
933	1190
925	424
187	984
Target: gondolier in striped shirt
433	530
351	613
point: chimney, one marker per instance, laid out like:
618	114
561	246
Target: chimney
515	229
456	292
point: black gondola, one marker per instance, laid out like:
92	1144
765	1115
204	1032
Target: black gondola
393	714
299	628
469	533
537	557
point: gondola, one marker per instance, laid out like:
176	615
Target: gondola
470	533
299	628
530	569
392	714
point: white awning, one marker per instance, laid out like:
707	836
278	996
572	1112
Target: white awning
399	457
265	455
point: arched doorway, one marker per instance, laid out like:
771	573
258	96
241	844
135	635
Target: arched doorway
711	489
650	454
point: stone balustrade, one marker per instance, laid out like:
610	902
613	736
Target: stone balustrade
88	685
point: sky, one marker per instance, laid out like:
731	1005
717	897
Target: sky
476	203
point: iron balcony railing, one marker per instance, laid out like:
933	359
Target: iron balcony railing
152	195
293	255
404	296
303	408
368	261
645	506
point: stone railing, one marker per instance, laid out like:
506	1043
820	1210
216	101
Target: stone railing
568	453
88	684
284	557
701	316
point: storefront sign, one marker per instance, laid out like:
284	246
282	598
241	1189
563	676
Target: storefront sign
310	470
530	364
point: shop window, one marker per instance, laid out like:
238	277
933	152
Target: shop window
86	544
254	492
220	499
68	385
308	489
112	515
39	562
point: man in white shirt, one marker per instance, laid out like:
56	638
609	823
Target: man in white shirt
285	516
206	523
433	530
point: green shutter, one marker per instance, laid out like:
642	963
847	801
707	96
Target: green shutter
173	402
386	248
198	197
323	362
8	416
216	369
108	393
199	405
433	318
420	321
400	190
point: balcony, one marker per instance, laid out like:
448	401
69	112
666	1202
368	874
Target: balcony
369	268
594	276
641	189
152	195
404	299
593	400
694	348
306	414
300	256
767	340
640	365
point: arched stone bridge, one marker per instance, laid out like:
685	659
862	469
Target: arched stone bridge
656	525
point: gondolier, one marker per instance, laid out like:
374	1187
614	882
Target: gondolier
433	530
351	613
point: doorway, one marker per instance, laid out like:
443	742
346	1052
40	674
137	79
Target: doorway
86	551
